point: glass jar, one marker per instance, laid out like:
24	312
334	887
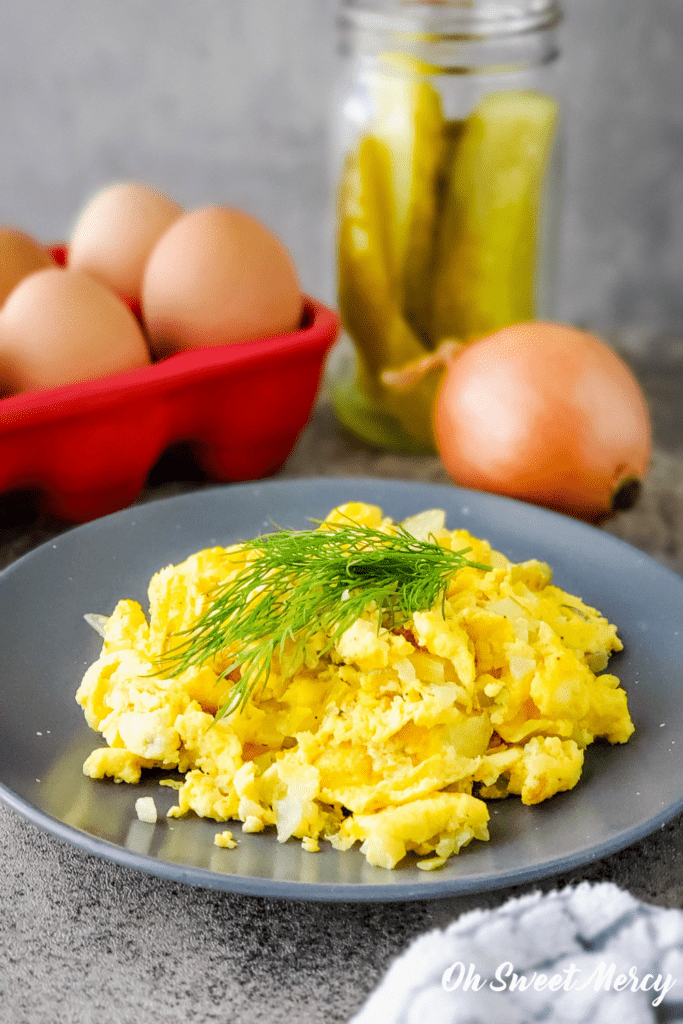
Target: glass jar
447	152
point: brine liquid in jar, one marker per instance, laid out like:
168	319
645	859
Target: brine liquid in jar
447	152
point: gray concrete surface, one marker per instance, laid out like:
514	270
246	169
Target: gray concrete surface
84	941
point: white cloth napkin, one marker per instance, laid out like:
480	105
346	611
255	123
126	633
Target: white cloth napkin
589	954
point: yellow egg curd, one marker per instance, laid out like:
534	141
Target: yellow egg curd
394	737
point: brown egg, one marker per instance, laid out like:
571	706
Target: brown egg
116	232
62	326
20	255
215	277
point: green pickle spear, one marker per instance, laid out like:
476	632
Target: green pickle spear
369	309
367	303
387	223
409	120
487	253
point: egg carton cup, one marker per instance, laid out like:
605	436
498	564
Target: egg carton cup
87	449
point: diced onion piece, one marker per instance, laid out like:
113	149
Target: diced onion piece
424	524
97	622
146	810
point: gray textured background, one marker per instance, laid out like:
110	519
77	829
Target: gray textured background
229	101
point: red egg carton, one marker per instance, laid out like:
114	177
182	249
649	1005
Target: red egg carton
87	449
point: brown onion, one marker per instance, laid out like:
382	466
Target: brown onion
545	413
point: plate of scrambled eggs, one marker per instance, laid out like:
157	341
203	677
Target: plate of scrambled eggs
342	689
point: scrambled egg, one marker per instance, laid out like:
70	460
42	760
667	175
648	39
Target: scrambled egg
395	738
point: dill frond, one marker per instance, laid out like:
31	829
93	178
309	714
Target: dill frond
297	584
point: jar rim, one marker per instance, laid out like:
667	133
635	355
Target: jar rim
468	17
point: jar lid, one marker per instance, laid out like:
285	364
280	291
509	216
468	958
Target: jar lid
468	17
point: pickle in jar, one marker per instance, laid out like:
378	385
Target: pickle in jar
369	310
487	261
367	298
387	225
408	119
439	225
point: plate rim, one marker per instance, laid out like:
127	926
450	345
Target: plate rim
268	887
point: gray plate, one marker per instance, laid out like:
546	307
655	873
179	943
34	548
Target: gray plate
626	791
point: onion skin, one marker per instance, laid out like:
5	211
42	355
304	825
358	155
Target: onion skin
547	414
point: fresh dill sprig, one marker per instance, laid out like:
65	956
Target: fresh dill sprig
298	584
